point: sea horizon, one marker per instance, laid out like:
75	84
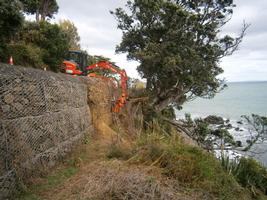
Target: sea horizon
250	81
237	99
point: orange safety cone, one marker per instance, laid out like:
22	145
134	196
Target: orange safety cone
11	61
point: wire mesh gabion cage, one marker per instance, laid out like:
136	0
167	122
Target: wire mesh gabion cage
42	116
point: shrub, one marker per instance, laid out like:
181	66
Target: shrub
188	119
37	44
190	166
248	173
230	166
27	55
202	129
119	152
251	174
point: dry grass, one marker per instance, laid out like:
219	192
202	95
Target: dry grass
155	166
97	178
189	166
117	180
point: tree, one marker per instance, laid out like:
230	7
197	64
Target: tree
72	33
258	131
11	20
178	45
26	54
41	8
39	45
55	43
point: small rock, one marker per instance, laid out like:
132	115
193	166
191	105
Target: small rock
238	143
5	108
240	122
18	106
229	126
237	129
212	119
31	88
25	101
9	98
17	80
17	89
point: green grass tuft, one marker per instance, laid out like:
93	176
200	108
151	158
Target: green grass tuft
190	166
119	152
48	183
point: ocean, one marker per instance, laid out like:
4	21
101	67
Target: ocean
239	98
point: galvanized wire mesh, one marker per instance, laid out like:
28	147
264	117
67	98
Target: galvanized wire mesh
42	116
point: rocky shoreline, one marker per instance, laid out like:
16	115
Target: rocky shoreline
239	136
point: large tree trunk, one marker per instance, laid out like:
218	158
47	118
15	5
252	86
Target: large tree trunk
160	102
166	97
45	8
37	15
161	105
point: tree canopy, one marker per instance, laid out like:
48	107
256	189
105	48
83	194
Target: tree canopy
179	45
42	9
39	45
11	19
72	33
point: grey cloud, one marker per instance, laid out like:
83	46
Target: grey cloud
250	61
96	26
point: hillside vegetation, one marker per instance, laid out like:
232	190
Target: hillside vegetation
152	165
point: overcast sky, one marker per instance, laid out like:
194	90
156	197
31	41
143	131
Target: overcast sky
99	35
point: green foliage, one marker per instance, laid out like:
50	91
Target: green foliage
248	172
223	134
11	20
169	113
188	119
178	45
26	54
230	166
39	45
157	121
72	33
259	126
55	42
202	129
34	45
41	8
252	175
190	166
118	151
49	182
207	135
60	177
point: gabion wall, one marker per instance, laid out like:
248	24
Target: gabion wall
42	116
